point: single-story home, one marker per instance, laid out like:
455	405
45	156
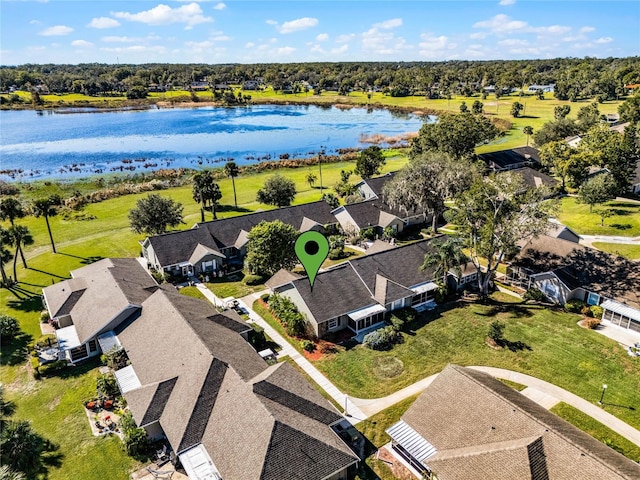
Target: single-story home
511	159
212	246
550	88
564	270
467	424
558	230
194	379
98	297
536	179
360	293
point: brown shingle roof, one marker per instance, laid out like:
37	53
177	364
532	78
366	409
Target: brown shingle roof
476	422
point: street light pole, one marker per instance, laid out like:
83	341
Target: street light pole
604	389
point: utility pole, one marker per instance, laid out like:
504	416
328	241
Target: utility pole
320	154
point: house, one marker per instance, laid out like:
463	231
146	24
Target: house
93	302
374	212
360	293
511	159
550	88
535	179
467	424
558	230
466	278
218	245
199	86
251	85
564	270
194	379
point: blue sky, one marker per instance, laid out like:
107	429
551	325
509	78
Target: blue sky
142	31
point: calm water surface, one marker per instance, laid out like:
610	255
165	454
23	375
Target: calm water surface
51	144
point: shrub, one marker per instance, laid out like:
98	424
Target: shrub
586	311
9	328
265	297
257	338
158	277
52	368
136	441
399	318
44	316
597	311
592	323
367	233
35	366
294	322
496	331
308	346
106	384
45	341
115	358
534	294
441	294
253	280
382	339
336	253
574	306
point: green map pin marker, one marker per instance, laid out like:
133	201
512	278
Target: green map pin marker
312	249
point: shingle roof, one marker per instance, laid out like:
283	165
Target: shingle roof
535	179
377	183
511	157
579	266
176	247
159	400
478	424
109	285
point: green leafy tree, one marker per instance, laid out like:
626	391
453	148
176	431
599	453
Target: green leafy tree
277	190
496	331
528	131
494	215
9	328
370	162
588	116
629	110
570	164
477	107
331	199
604	213
206	191
516	108
20	236
447	255
561	111
597	190
154	214
555	131
21	448
47	207
311	179
427	182
270	247
463	107
232	170
344	188
137	92
5	253
454	134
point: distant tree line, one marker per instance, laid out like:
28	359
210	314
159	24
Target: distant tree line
574	78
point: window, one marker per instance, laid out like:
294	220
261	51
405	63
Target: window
333	324
93	346
593	299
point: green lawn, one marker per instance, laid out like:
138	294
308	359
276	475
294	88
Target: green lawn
192	292
554	349
632	252
625	222
597	430
233	286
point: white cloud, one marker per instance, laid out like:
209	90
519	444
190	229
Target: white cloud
382	42
81	44
199	45
114	39
271	22
432	46
344	38
35	22
221	38
603	40
587	29
58	30
339	50
507	2
136	49
552	30
249	45
103	22
323	37
219	6
295	25
190	15
501	24
285	50
513	42
389	24
478	36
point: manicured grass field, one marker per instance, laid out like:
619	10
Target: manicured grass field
597	430
192	292
553	347
233	286
625	222
632	252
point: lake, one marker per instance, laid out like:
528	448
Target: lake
56	144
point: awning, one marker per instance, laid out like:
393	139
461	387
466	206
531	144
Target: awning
198	464
621	309
68	338
127	379
411	441
425	287
108	341
366	312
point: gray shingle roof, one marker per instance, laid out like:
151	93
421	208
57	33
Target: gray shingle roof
377	183
479	425
511	157
159	400
535	179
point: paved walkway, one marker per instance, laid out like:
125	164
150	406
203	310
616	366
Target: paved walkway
623	336
358	409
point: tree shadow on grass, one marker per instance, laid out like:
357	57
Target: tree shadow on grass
14	352
514	346
231	208
621	226
32	303
619	212
79	369
85	260
49	273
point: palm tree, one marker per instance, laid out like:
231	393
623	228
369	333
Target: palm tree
46	207
205	190
527	131
232	170
5	254
448	255
311	179
20	235
10	209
